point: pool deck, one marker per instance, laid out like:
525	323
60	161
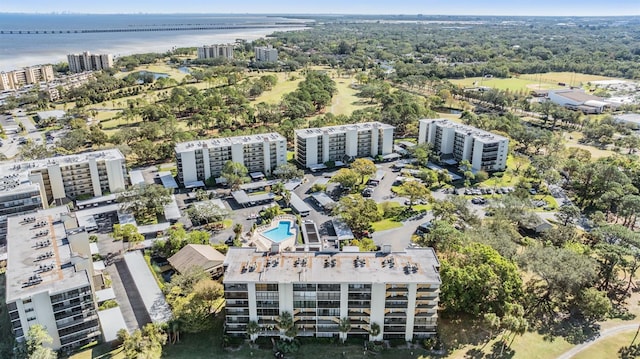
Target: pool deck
264	243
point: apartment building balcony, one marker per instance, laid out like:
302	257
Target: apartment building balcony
70	331
388	313
237	320
267	320
62	324
239	312
394	329
237	303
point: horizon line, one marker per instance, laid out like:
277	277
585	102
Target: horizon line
307	14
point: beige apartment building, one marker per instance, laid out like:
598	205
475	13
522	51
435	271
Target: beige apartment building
17	79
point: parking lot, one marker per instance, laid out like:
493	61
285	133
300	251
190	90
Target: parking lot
12	144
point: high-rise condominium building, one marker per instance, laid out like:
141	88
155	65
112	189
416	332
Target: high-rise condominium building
484	150
266	54
200	160
214	51
17	195
316	146
49	278
89	62
16	79
395	291
88	174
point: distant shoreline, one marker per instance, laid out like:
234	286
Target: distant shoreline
138	46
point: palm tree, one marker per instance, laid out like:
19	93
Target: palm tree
253	328
374	331
344	327
286	325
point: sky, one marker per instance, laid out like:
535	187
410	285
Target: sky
426	7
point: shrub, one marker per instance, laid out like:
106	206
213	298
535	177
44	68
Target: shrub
108	304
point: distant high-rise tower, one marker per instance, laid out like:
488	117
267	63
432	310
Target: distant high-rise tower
89	62
214	51
266	54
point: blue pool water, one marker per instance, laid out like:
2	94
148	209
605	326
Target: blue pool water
280	233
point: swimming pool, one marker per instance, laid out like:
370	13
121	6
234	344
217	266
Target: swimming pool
280	233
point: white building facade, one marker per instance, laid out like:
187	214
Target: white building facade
484	150
266	54
49	280
214	51
90	174
316	146
397	292
201	160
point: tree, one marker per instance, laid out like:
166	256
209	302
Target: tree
364	244
143	343
568	214
206	212
346	177
286	325
288	171
358	213
192	296
374	331
344	327
253	328
37	339
415	191
145	200
127	233
594	305
363	167
235	173
479	280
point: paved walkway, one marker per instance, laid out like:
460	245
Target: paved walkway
603	335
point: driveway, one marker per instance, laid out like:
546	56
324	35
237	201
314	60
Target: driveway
400	238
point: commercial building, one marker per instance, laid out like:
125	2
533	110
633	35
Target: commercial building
396	291
455	142
49	279
316	146
266	54
90	174
574	99
16	79
199	160
214	51
87	61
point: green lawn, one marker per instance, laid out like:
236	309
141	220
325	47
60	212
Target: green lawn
385	224
513	83
607	348
569	78
284	86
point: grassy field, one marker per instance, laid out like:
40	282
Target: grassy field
607	348
157	68
569	78
385	224
527	82
513	83
572	140
284	86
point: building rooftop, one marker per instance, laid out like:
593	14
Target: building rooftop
414	265
17	183
228	141
313	132
147	286
57	114
628	118
478	134
196	255
18	167
39	255
576	95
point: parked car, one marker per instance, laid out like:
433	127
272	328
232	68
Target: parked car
367	192
533	191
